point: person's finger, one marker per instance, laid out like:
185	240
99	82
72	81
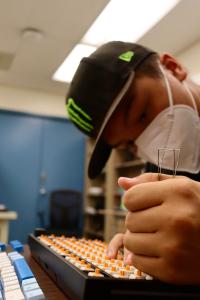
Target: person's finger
158	269
115	244
146	195
148	220
128	257
126	182
148	265
147	244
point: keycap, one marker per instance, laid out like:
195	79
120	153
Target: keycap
22	269
14	257
30	287
14	271
34	295
2	246
28	281
12	253
14	295
16	245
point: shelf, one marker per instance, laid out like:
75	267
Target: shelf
112	212
130	164
95	195
103	197
91	212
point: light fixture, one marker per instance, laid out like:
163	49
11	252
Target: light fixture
122	20
32	34
67	69
127	20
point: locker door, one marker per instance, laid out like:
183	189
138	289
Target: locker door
19	169
62	162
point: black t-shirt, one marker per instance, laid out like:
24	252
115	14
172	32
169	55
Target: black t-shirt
149	167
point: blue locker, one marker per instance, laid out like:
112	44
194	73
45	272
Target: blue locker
36	152
62	156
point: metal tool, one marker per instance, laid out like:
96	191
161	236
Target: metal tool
161	155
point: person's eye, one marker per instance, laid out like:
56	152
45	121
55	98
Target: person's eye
130	143
142	117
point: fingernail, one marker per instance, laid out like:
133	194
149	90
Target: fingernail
132	180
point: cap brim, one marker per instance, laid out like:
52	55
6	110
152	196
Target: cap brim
101	150
98	159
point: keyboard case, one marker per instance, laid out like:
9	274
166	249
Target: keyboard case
77	285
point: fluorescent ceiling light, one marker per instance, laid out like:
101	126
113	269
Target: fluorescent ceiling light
67	69
123	20
127	20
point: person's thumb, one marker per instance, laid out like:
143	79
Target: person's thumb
115	244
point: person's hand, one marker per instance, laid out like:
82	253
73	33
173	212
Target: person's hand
115	245
163	226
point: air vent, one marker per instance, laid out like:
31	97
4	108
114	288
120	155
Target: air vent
6	60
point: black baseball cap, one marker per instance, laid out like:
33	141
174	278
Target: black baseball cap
97	88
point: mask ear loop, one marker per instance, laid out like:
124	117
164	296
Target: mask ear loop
161	157
175	160
192	99
168	88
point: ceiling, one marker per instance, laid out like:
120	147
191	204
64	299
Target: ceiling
177	30
31	63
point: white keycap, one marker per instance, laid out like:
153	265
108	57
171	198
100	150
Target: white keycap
9	283
7	270
11	287
29	287
3	254
8	275
35	295
9	278
28	281
14	295
3	265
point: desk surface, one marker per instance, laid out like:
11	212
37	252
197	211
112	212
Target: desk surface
8	215
49	288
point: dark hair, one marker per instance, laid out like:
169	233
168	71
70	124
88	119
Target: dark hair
150	67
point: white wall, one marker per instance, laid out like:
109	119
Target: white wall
36	102
190	58
31	101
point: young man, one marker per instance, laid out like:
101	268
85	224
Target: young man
127	95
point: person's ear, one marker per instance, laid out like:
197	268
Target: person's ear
171	64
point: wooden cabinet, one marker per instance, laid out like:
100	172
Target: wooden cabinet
103	207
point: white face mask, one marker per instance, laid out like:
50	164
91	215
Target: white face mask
177	126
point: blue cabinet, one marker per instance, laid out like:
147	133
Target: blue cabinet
37	155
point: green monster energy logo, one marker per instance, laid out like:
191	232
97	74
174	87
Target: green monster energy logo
78	116
127	56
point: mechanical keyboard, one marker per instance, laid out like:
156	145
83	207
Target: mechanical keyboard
82	270
17	281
